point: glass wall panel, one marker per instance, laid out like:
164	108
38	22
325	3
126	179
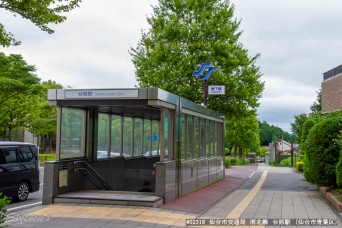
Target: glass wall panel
127	136
115	138
190	137
212	139
220	140
182	136
102	136
202	138
72	133
167	133
137	137
215	138
155	137
147	137
196	137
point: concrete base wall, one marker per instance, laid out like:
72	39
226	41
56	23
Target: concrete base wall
75	181
166	180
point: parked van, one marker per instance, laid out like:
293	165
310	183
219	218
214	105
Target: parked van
19	169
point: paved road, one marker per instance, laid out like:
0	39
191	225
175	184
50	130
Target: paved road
34	198
270	195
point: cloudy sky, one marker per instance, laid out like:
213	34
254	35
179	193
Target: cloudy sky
297	41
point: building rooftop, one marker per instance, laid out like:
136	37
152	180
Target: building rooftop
333	72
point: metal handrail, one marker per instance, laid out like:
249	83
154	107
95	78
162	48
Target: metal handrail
99	183
97	176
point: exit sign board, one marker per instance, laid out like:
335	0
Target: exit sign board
216	90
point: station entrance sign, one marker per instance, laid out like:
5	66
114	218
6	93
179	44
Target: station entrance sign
216	90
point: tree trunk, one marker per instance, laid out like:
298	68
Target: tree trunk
240	152
10	128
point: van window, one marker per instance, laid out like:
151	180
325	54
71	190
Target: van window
2	157
33	149
10	155
25	154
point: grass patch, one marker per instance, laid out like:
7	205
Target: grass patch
231	161
46	157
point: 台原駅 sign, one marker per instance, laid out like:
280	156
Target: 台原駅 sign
100	93
216	90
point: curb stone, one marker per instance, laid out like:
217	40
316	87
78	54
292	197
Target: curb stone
331	198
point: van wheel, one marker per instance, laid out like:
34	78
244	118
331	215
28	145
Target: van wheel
22	192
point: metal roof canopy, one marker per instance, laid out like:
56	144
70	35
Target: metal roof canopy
137	102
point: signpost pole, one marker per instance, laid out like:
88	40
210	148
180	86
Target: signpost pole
205	93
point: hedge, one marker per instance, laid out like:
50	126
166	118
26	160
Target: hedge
231	161
299	166
339	171
46	157
321	153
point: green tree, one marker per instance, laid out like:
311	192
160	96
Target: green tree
41	13
316	107
242	133
45	122
186	33
269	133
297	125
19	91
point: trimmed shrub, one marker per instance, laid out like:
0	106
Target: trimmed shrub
339	170
231	161
321	153
285	162
308	124
227	162
4	201
299	166
46	157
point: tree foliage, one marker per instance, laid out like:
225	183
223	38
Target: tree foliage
339	170
321	151
339	164
45	124
309	123
316	107
41	13
297	125
186	33
269	133
243	133
300	119
19	91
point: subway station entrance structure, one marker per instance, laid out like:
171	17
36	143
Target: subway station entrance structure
141	141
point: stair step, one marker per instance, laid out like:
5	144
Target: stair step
110	198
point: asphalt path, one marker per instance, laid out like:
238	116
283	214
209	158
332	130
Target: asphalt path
279	179
34	198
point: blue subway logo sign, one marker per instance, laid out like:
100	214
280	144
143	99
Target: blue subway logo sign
205	71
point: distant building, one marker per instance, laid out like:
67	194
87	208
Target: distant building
281	147
332	90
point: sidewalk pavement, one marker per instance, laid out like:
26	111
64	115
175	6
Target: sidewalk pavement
240	196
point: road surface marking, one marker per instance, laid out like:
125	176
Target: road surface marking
237	211
27	205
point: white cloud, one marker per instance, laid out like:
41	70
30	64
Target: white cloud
297	40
